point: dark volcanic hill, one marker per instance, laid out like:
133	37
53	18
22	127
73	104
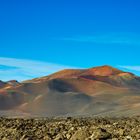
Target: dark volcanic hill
96	91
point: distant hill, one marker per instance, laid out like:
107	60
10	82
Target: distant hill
100	90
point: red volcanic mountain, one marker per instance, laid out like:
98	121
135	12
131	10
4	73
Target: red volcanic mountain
96	91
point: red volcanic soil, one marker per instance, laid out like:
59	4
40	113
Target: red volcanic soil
96	71
106	74
3	92
103	71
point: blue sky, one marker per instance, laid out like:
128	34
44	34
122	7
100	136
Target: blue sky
51	35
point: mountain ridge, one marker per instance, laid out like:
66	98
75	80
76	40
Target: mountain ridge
74	72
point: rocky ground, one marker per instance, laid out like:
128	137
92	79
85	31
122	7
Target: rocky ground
70	128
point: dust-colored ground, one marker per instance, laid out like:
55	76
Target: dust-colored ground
70	128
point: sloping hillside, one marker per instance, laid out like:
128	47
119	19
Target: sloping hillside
95	91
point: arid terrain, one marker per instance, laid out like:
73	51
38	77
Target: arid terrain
69	69
99	91
90	104
70	128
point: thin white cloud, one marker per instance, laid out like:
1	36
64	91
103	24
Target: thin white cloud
110	38
133	68
23	69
